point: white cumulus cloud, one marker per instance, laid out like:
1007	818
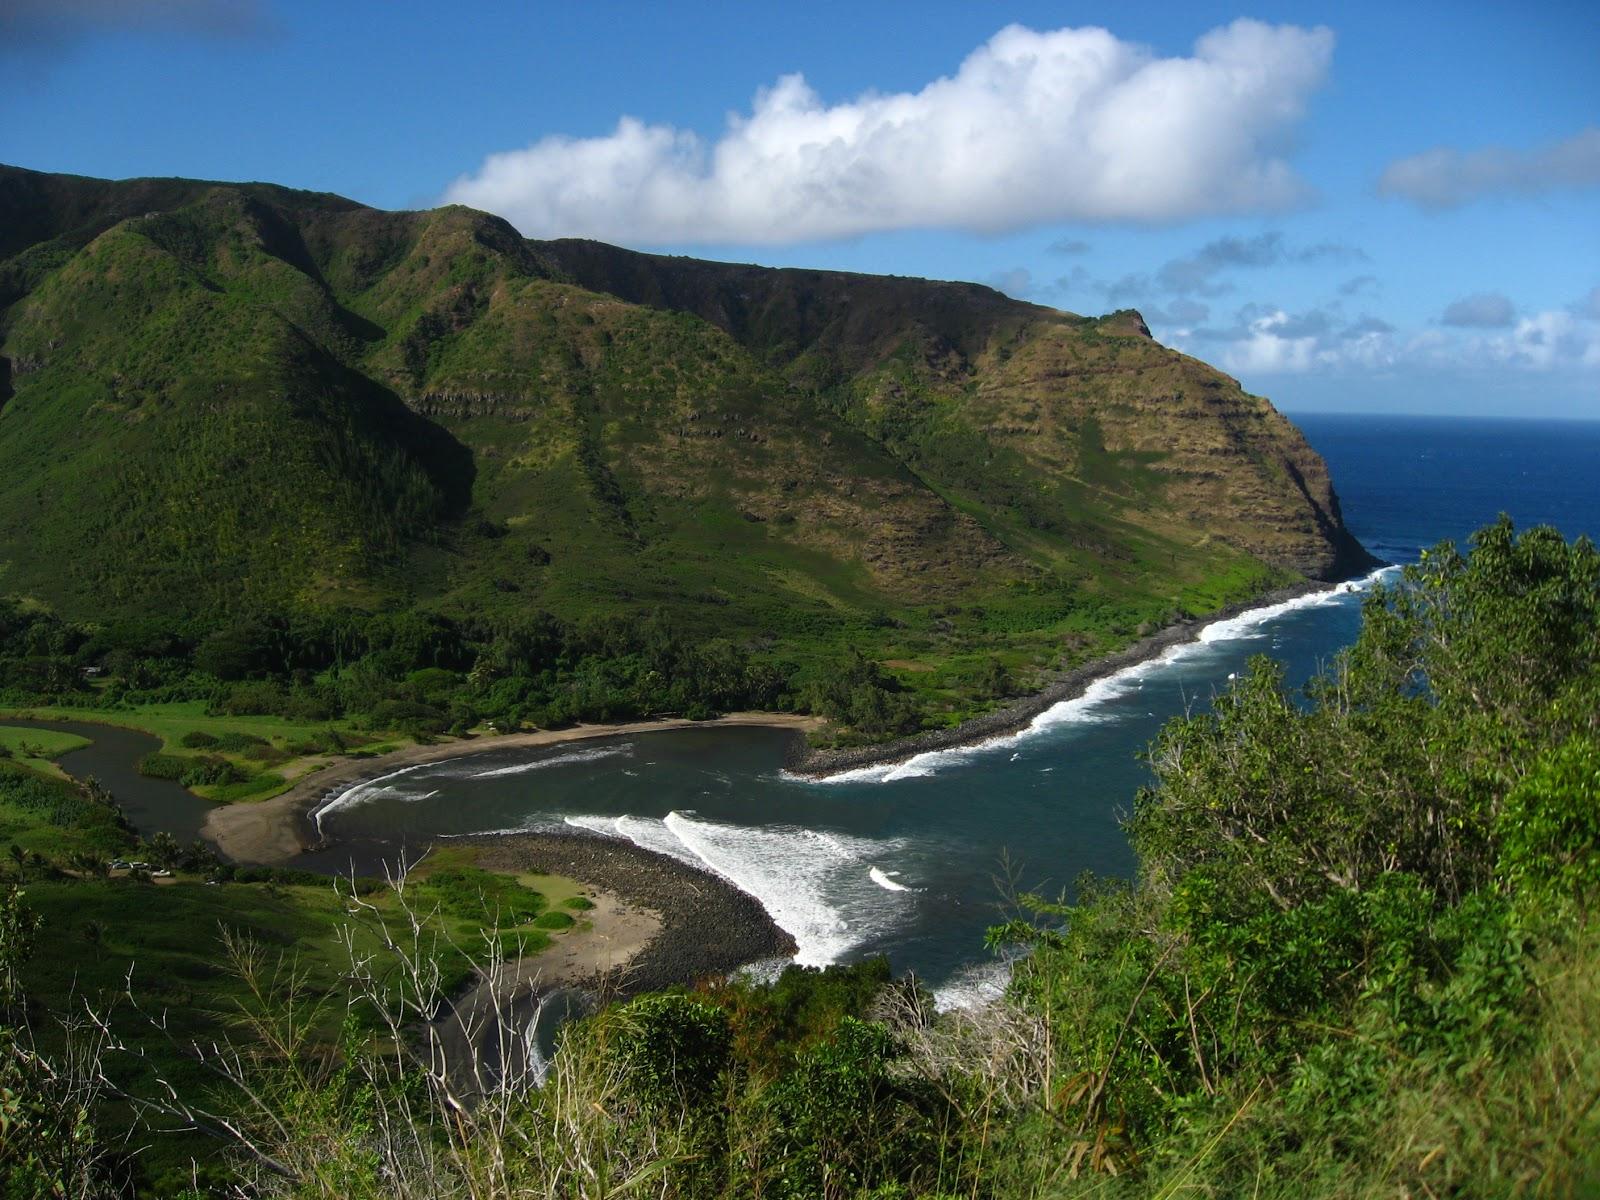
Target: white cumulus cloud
1447	178
1071	124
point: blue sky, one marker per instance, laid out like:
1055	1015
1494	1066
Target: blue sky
1385	207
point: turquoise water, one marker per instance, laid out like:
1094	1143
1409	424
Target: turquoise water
914	861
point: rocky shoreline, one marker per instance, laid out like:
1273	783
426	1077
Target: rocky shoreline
708	926
1018	715
688	924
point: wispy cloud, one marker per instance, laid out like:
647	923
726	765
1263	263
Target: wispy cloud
1266	340
1201	273
1447	178
33	24
1198	272
1034	127
1486	310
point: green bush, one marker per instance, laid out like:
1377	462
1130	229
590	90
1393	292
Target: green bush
406	716
1549	828
672	1049
845	1123
240	743
1343	891
165	766
208	770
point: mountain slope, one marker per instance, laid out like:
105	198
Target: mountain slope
219	396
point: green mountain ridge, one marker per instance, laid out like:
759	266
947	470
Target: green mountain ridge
215	396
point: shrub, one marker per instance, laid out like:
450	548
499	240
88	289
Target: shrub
239	743
1549	827
211	771
263	697
672	1049
407	716
164	766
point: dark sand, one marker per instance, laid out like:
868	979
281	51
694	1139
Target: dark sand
1017	716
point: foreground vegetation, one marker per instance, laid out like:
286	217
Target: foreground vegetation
1359	959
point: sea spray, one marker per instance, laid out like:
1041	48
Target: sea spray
976	986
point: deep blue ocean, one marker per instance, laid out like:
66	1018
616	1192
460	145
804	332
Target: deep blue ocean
915	861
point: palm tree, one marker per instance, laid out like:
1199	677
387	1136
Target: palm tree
163	850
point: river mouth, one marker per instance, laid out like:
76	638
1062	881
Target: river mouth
112	757
914	860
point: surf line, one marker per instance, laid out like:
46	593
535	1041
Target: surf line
816	886
1127	669
334	801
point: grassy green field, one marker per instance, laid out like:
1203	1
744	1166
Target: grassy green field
170	722
271	752
38	748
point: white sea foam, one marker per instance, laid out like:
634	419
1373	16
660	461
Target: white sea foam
819	887
651	833
1090	707
369	789
381	787
538	1064
976	986
593	754
1249	624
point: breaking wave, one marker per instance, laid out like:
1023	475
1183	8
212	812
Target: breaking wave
370	789
821	888
594	754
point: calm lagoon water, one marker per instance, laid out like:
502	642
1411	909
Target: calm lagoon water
909	861
112	757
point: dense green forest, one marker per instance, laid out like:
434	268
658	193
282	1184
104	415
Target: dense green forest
231	413
1359	959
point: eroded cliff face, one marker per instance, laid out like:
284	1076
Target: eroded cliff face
1112	421
350	406
1100	404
